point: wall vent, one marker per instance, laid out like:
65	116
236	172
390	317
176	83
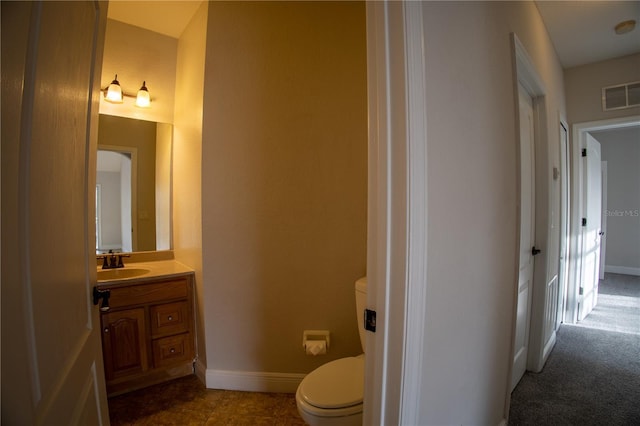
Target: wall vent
621	96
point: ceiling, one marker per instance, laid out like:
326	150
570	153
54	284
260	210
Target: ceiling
165	17
581	31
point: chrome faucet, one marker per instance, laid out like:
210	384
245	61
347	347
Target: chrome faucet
112	260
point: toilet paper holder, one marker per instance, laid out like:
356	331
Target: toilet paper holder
315	335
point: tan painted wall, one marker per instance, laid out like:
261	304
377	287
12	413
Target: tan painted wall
138	55
283	180
164	149
584	88
473	195
187	158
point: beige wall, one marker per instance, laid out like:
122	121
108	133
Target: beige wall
164	148
187	159
584	88
138	55
141	135
283	181
473	205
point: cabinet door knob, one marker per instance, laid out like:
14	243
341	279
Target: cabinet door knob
172	350
170	318
106	329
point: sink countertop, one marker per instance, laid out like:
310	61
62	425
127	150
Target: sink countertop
157	269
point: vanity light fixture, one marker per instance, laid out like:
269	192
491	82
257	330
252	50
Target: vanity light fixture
115	95
143	99
114	92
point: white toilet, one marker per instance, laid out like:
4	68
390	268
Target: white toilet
331	395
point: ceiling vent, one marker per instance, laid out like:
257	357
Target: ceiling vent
621	96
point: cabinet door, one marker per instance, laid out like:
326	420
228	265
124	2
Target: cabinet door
124	343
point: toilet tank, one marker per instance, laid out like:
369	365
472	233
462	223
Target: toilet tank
361	303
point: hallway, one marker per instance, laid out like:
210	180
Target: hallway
592	376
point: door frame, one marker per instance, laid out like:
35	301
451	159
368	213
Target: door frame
578	141
132	152
603	225
565	220
527	75
397	211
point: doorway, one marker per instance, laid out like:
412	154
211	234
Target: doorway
535	308
116	199
577	263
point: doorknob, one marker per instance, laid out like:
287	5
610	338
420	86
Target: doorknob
534	251
101	294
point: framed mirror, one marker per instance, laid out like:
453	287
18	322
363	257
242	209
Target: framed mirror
133	185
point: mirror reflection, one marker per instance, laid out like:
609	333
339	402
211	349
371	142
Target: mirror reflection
133	185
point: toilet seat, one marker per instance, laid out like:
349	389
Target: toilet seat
334	389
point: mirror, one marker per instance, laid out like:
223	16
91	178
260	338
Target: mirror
133	185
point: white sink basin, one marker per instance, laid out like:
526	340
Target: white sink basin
120	274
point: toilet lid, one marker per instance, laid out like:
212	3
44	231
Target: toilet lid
337	384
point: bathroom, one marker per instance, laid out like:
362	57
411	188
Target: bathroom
274	223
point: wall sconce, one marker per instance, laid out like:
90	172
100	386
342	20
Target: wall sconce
114	92
143	100
115	95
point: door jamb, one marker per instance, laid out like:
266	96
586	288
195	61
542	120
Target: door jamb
565	216
397	211
526	74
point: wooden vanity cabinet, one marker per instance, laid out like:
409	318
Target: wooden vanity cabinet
148	333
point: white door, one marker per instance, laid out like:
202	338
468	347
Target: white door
527	227
52	371
591	227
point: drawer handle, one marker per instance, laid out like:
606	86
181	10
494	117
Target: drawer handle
170	318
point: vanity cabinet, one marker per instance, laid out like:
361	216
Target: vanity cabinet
148	332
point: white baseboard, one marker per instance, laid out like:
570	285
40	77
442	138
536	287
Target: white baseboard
622	270
547	349
253	381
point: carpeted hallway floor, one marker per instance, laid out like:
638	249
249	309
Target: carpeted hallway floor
592	376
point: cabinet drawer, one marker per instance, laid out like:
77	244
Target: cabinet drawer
171	350
169	318
148	293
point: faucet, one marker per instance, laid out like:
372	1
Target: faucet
112	260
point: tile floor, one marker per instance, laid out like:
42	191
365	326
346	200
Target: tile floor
186	401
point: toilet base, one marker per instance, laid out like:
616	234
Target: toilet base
311	420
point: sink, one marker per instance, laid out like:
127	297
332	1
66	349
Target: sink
120	274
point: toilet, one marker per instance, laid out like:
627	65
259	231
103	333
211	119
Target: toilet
331	395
